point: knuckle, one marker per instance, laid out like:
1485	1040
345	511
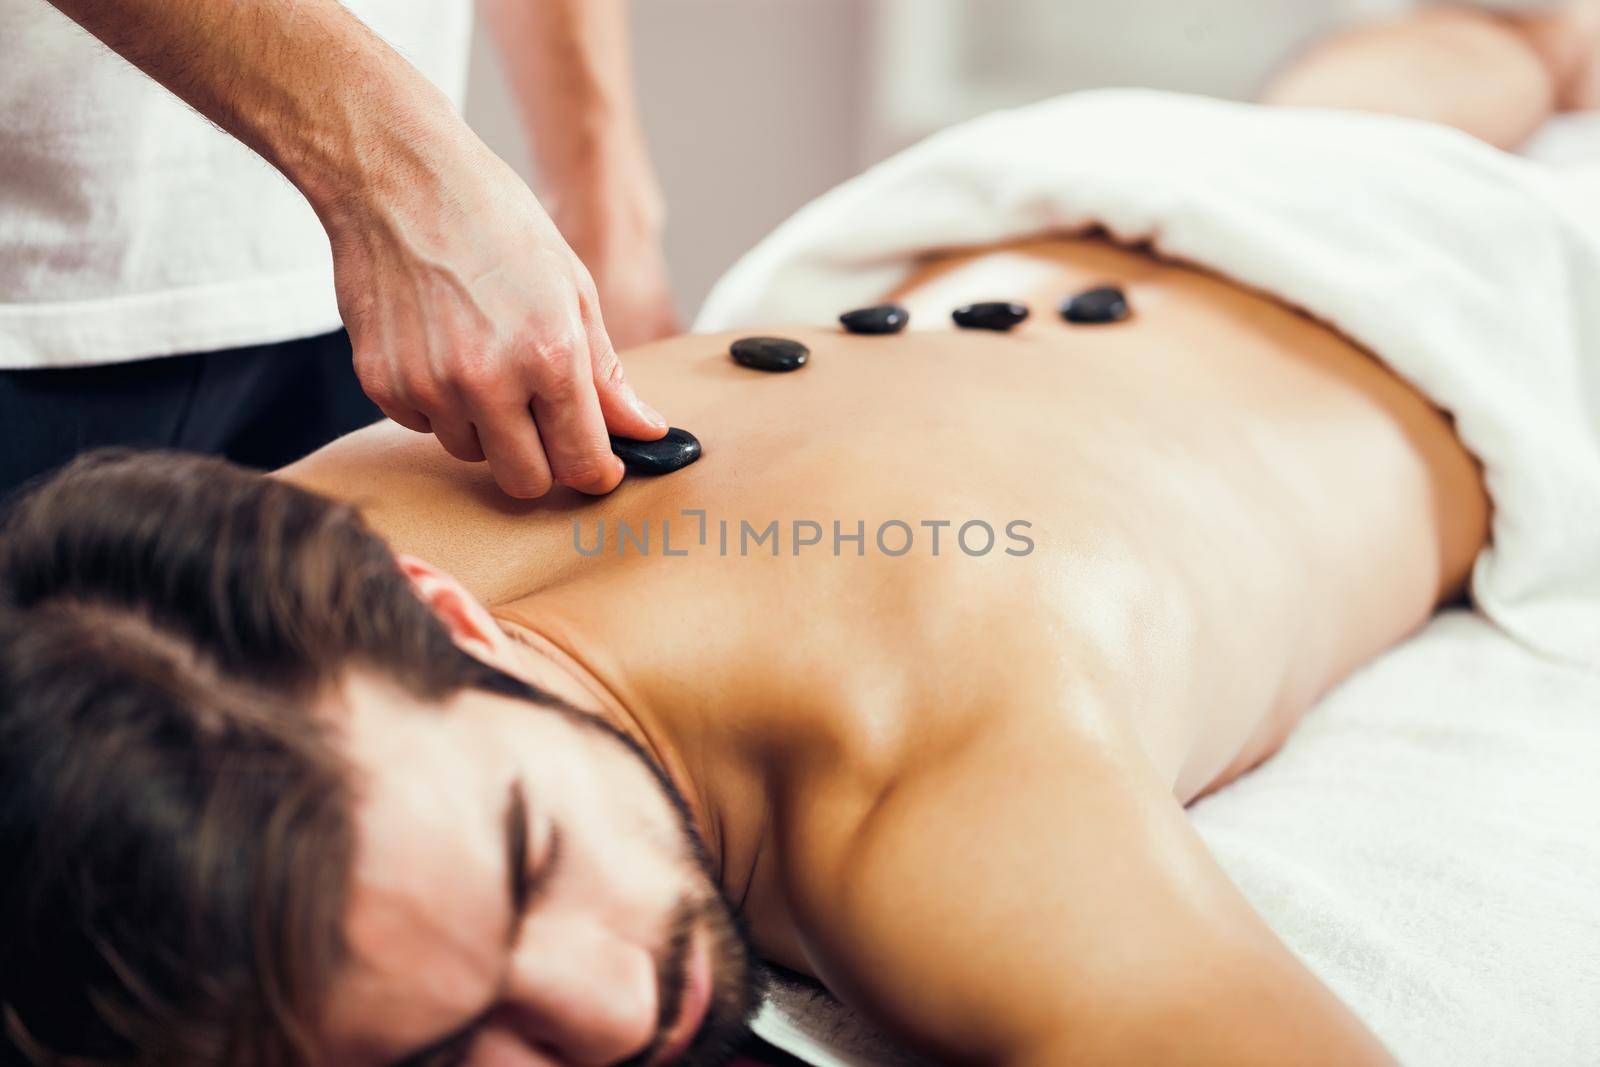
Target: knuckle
422	392
554	356
477	375
524	485
608	368
583	474
369	370
588	291
563	392
380	391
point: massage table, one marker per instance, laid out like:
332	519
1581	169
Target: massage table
1428	840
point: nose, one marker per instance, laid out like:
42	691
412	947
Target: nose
580	993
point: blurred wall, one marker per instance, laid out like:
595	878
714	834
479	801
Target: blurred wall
755	106
752	108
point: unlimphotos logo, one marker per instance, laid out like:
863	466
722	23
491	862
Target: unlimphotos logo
793	537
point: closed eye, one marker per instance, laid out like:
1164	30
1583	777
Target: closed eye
525	885
516	827
455	1052
451	1050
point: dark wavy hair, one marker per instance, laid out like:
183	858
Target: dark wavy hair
176	827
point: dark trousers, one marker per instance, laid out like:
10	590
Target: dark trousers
262	406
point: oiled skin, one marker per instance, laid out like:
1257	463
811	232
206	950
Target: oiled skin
1232	508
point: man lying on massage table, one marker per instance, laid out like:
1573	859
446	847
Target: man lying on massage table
430	783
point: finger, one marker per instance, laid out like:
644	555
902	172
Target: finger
458	437
389	400
516	452
574	433
410	418
624	413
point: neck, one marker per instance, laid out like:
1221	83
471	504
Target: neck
553	657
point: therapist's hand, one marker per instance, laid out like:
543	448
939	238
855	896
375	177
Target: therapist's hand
470	316
472	319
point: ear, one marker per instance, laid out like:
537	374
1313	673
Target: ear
469	622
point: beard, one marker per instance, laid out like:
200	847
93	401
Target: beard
737	979
736	985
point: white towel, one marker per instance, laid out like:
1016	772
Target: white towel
1475	275
1429	839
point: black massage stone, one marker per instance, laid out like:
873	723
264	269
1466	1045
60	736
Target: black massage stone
885	318
993	315
1108	303
675	451
770	353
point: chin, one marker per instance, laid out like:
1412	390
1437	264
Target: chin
736	985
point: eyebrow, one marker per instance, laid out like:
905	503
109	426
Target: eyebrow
514	823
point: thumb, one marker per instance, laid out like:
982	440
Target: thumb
625	414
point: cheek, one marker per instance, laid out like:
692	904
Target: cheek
623	860
603	800
625	856
622	843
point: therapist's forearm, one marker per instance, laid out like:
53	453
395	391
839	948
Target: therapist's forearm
570	70
1475	71
302	82
572	75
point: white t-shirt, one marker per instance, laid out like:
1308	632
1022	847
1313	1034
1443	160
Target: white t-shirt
132	227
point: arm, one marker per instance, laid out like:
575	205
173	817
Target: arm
465	306
1039	898
569	67
1496	77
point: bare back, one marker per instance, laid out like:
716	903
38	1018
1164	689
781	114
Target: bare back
1226	505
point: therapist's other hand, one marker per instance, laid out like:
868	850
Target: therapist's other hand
472	319
617	234
634	293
